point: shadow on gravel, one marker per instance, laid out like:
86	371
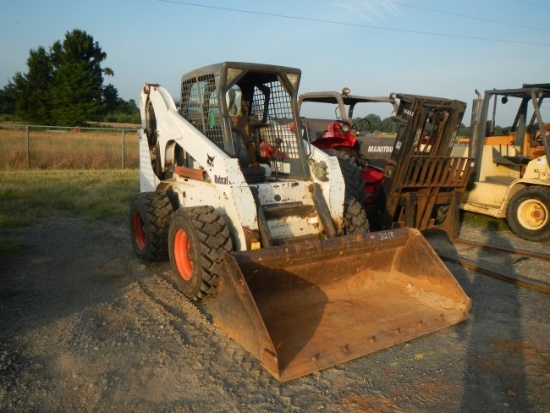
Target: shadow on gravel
70	271
68	267
494	378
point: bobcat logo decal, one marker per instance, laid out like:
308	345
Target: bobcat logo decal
210	160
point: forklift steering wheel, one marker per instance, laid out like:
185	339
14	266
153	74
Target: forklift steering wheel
361	125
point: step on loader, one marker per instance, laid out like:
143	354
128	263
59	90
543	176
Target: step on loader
249	212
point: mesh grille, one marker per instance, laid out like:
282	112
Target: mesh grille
279	115
199	105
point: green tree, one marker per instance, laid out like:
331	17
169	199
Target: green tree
124	112
77	87
377	124
374	121
112	101
389	125
64	86
464	130
7	99
32	90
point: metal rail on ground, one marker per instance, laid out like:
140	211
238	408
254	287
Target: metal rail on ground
482	268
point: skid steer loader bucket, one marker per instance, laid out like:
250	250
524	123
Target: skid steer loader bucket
304	307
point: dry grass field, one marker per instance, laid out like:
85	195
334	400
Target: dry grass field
45	148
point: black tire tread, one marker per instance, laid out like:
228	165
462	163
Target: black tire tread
158	210
356	221
215	242
351	170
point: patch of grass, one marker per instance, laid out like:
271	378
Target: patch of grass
30	195
484	221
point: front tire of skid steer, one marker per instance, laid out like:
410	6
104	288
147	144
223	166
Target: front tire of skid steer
528	213
356	221
198	239
149	221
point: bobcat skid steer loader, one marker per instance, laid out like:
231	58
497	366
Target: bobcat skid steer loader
246	209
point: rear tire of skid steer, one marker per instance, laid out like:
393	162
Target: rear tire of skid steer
355	217
528	213
149	221
353	180
198	239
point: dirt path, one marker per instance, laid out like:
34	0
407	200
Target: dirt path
85	326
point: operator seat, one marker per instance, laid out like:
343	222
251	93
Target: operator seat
244	151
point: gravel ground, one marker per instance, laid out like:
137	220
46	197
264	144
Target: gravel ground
85	326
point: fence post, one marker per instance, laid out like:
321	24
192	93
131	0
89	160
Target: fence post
123	148
28	146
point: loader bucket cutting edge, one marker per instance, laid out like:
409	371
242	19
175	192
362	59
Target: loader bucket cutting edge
300	308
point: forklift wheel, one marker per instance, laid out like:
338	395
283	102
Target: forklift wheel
528	213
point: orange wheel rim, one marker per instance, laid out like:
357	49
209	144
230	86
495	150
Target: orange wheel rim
182	248
139	232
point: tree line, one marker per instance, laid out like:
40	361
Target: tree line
388	125
64	86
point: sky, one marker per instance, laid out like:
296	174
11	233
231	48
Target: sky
374	47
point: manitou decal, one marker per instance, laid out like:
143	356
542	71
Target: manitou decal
388	149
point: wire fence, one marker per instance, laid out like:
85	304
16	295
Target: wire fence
55	147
